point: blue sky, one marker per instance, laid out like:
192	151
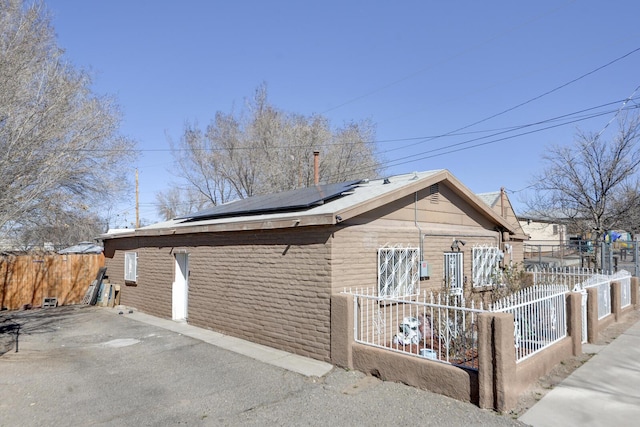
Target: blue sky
416	69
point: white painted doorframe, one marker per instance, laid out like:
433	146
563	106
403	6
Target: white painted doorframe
180	291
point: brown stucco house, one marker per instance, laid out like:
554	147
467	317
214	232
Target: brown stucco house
265	268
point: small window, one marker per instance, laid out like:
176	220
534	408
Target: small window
555	229
130	266
398	272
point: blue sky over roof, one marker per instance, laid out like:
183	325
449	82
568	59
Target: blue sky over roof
478	88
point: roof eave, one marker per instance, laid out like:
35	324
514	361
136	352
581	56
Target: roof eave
249	225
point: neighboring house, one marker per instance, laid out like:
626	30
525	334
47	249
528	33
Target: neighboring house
265	268
82	248
500	203
545	232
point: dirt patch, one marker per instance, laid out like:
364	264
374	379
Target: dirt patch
362	384
567	366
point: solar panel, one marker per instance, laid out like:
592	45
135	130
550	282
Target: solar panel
293	200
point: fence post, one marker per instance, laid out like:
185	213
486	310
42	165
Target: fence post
574	321
504	361
485	361
616	300
634	291
592	315
342	338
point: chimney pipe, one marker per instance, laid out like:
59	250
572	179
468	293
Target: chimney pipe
316	167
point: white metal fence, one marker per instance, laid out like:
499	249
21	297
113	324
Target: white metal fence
444	328
579	279
603	284
624	277
540	317
434	327
569	276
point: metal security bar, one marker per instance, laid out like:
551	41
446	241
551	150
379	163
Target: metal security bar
540	317
398	271
453	272
485	265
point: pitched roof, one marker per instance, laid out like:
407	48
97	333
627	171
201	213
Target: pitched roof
490	198
82	248
346	200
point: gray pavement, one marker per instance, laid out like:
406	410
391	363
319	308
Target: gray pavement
605	391
80	366
292	362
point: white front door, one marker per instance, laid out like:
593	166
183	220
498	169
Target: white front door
180	291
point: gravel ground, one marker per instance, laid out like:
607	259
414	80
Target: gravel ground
80	365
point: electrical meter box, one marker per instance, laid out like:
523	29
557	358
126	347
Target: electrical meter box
424	269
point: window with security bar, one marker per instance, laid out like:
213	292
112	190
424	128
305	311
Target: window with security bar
453	272
486	265
131	266
398	272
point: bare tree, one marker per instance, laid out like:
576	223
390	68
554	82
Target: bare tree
593	183
56	229
263	150
176	202
58	141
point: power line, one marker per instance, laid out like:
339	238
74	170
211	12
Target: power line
527	101
428	154
420	140
617	113
450	58
511	128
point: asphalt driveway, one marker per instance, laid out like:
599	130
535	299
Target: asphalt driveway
81	366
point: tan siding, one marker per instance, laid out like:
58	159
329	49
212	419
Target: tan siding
505	210
450	210
355	251
440	220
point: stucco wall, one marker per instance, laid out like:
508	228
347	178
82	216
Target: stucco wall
270	287
437	377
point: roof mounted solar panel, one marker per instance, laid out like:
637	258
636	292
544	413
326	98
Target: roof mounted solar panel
287	201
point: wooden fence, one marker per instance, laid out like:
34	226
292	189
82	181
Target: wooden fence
27	279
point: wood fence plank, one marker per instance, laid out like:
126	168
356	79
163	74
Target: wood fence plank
27	279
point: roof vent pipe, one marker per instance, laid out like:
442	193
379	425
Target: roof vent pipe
316	167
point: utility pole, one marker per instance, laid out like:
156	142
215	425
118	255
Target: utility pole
137	202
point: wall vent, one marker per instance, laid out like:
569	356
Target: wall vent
434	192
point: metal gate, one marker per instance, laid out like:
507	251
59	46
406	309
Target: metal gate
620	255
